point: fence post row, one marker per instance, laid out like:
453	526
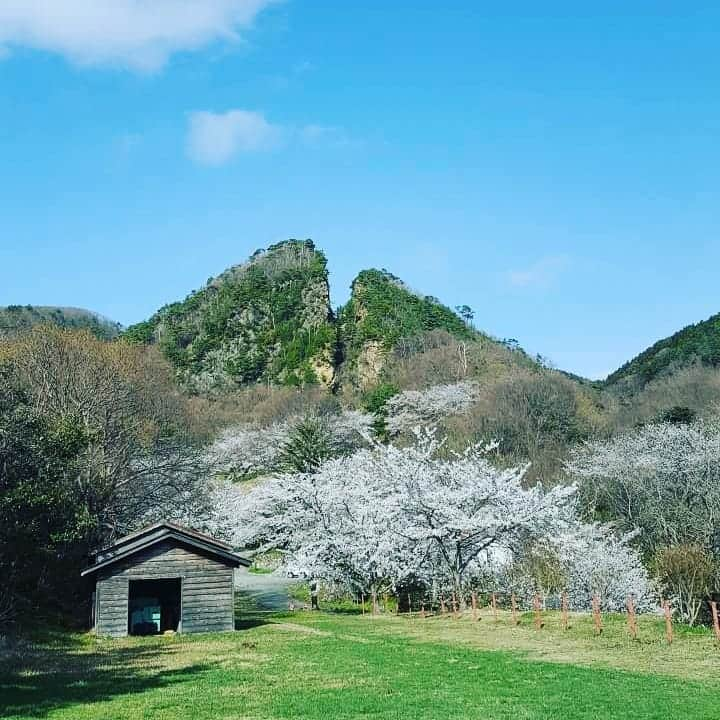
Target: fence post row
632	622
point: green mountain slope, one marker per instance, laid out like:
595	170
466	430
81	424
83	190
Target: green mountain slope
699	343
16	318
382	313
268	319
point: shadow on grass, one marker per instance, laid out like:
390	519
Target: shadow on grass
54	669
43	678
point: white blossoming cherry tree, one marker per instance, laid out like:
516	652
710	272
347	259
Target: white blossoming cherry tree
464	513
386	514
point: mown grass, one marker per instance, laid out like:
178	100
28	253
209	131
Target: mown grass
323	665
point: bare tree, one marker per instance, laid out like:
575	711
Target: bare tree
138	464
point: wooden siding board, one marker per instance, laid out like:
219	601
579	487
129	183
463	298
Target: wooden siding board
112	594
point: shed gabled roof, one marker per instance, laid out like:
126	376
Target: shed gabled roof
145	538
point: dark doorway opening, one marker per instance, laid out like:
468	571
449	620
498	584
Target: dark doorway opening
153	606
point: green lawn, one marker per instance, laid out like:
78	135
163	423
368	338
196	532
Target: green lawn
345	666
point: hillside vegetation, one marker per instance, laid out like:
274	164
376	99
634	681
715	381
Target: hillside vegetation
383	315
279	385
695	344
18	318
262	340
268	319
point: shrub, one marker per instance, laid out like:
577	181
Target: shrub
686	573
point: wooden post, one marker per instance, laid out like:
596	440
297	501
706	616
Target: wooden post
455	606
442	604
668	622
422	610
374	602
564	611
631	618
385	598
362	601
409	605
494	607
474	606
537	605
597	618
514	609
716	621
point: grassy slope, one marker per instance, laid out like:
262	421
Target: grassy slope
334	666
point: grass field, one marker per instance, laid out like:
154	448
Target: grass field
345	666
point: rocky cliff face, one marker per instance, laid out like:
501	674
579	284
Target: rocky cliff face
268	319
381	314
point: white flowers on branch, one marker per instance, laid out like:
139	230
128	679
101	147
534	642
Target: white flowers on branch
595	561
662	478
246	451
385	516
412	408
462	511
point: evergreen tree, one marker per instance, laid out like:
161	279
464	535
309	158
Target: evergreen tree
310	443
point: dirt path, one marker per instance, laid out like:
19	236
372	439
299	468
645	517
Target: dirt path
267	591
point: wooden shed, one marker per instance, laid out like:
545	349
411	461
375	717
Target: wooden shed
164	577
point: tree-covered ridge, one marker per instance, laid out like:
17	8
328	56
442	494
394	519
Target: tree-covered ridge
18	318
695	343
383	309
267	319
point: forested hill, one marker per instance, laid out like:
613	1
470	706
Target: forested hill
699	343
16	318
384	314
269	320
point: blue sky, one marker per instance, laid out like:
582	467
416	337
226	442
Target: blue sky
556	168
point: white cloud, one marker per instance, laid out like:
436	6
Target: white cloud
216	138
140	34
541	274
